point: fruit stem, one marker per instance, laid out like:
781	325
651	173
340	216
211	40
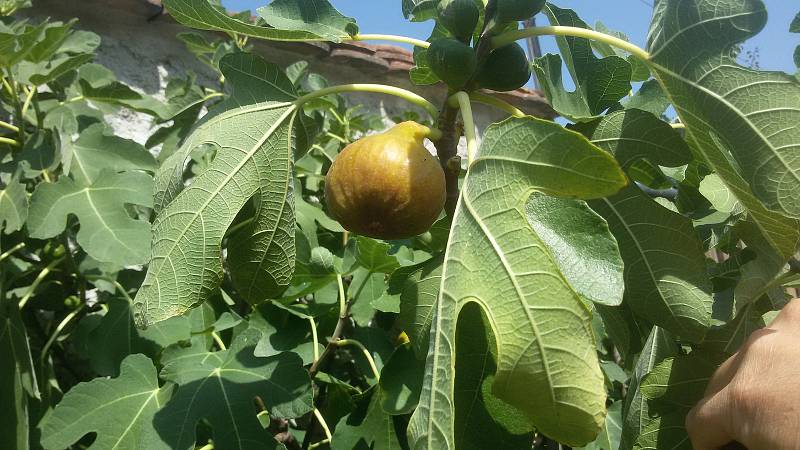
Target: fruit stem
314	337
366	354
497	103
461	98
13	128
11	142
324	424
377	88
391	38
512	36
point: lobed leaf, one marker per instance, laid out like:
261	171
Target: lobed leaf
221	388
108	233
547	366
13	206
201	14
600	82
119	410
252	137
742	123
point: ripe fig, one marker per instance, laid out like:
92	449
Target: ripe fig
387	185
452	61
505	69
459	17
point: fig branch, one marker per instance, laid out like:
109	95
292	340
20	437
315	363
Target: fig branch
391	38
497	103
380	89
462	100
512	36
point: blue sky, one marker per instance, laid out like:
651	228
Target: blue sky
775	43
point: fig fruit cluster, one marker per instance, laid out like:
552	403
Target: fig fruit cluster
457	64
387	185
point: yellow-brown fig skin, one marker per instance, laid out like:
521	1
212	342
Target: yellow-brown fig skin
387	185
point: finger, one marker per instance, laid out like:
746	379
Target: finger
724	374
708	423
789	317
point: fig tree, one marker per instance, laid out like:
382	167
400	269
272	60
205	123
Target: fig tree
505	69
459	17
452	61
387	185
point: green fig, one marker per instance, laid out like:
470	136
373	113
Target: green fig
452	61
459	17
505	69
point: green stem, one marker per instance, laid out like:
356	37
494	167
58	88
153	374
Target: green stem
7	125
462	100
218	340
9	141
38	281
73	99
497	103
342	297
27	103
57	332
677	125
392	38
512	36
376	88
11	251
208	446
364	351
324	424
315	338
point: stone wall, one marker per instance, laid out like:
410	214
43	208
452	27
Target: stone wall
140	46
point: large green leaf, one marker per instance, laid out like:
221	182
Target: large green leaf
482	420
203	15
665	277
368	427
317	17
13	206
94	151
19	378
254	154
665	269
547	366
633	134
119	410
221	388
108	233
585	249
741	122
636	417
116	337
600	82
612	430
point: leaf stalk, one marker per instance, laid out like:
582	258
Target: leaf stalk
375	88
365	352
497	103
462	100
504	39
392	38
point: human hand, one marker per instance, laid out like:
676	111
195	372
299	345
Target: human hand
754	396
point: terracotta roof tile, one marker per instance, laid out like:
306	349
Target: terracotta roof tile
382	58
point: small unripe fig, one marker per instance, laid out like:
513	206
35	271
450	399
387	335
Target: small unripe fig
452	61
516	10
459	17
507	68
387	185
